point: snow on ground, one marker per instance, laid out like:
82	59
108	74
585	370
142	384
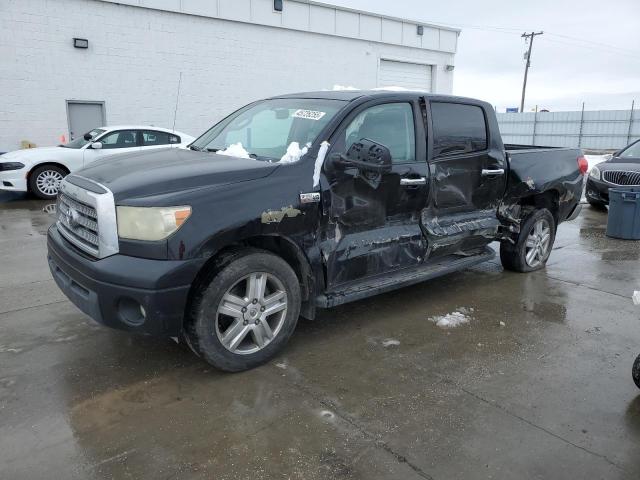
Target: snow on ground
294	153
596	159
390	342
454	319
234	150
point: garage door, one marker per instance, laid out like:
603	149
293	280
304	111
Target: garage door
403	74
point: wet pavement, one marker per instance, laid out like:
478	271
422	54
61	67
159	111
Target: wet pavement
371	390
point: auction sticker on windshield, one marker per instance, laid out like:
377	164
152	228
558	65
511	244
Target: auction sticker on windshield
309	114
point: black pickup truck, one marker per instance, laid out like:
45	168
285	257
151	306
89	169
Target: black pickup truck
301	202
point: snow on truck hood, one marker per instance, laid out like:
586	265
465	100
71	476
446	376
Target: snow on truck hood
157	172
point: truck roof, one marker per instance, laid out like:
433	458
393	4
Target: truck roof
349	95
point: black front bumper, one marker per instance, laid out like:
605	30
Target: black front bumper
112	290
597	190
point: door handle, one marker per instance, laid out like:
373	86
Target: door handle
491	173
413	181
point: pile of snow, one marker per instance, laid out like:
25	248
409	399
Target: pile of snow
294	153
596	159
636	297
337	88
454	319
322	152
392	88
234	150
390	342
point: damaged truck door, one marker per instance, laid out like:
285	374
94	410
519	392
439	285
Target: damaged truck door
371	223
469	179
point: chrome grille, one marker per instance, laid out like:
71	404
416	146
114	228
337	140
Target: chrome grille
86	216
619	177
78	222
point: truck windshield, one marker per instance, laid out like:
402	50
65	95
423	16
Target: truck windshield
81	142
267	130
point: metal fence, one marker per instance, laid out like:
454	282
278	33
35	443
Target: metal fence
598	130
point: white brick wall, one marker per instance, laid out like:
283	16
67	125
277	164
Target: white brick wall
136	54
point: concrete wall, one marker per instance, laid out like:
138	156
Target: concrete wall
598	129
136	55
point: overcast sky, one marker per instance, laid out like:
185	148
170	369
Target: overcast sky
590	50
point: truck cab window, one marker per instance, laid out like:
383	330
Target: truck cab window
457	129
391	125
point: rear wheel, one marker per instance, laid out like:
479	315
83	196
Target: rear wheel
533	245
44	181
246	313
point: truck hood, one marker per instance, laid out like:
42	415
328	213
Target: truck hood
156	172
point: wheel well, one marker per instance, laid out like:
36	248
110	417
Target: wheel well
55	164
280	246
548	200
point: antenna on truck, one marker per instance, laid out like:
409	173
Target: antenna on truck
175	112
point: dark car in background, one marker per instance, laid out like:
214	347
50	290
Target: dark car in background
622	169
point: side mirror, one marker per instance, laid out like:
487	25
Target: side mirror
87	137
96	145
365	155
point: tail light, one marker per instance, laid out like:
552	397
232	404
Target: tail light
583	165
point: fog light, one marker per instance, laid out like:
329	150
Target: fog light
131	312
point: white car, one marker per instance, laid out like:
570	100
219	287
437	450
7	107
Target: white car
40	170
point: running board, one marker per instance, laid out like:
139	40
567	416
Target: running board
388	282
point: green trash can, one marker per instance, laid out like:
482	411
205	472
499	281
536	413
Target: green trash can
624	213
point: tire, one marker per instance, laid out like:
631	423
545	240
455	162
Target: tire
596	204
222	311
636	371
514	256
45	180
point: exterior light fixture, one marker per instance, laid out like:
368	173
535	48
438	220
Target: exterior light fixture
420	30
449	68
277	5
80	43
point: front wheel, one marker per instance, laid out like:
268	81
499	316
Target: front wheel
44	181
246	313
533	245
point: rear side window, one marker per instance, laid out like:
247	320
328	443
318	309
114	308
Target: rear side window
151	137
457	129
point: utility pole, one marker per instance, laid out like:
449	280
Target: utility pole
530	36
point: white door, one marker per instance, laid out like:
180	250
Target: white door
84	116
413	76
120	141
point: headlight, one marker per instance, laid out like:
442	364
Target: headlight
595	172
150	223
10	166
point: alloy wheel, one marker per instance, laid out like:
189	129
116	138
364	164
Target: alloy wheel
251	313
48	182
538	243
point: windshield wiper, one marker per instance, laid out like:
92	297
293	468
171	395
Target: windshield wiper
193	147
214	150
